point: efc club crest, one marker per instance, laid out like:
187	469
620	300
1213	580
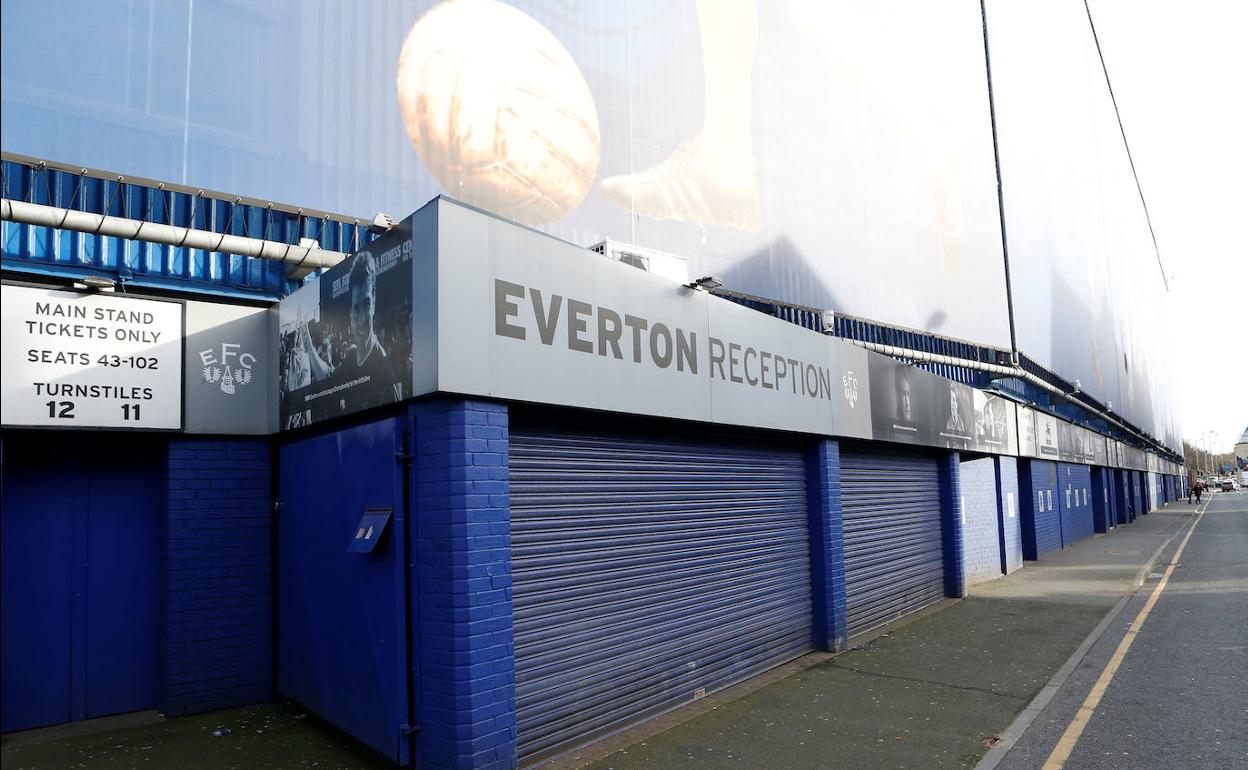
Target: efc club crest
850	383
227	367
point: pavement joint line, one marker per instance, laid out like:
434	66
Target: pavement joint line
1023	721
935	682
1070	738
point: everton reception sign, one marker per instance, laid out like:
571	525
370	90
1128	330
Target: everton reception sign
90	360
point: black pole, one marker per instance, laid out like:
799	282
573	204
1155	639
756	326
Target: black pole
996	156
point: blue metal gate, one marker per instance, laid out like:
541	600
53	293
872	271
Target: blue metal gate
894	562
1042	522
648	570
1076	503
80	555
1102	501
343	603
1122	489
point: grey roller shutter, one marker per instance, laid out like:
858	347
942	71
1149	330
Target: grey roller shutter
648	571
894	562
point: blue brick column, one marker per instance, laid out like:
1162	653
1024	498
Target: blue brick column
1100	501
951	524
1009	513
827	545
461	540
217	615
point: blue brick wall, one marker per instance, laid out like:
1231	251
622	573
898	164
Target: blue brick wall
827	545
951	524
1009	513
462	550
981	542
216	618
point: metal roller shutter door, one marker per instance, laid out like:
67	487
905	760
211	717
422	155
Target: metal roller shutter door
648	571
894	562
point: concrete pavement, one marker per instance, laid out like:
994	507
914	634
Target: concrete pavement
1179	697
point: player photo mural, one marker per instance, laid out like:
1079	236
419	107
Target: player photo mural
901	402
346	339
957	432
994	426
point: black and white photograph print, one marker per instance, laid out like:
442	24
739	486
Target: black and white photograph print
346	339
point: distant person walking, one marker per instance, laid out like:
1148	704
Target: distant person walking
1199	488
1191	490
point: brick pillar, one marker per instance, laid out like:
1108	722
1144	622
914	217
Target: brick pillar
951	524
827	545
217	613
1009	513
1100	501
462	552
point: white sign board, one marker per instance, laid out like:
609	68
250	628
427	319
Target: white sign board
85	360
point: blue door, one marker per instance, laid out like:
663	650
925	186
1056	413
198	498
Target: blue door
650	566
894	557
1075	502
1102	502
343	608
1042	522
80	529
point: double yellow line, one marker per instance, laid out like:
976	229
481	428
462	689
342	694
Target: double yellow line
1066	744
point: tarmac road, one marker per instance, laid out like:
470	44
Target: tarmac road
1179	696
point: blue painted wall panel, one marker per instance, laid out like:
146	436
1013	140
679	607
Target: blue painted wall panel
36	535
1009	513
1075	502
123	531
342	619
1102	504
80	575
1042	525
46	251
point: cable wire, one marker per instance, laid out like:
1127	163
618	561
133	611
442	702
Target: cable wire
1147	217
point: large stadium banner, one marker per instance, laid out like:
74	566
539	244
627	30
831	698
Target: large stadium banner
1090	300
789	148
345	340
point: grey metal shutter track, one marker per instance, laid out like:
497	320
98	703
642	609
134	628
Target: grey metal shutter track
894	562
645	570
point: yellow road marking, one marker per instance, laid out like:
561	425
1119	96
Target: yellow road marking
1066	744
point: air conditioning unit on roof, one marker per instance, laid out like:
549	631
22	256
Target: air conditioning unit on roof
658	263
